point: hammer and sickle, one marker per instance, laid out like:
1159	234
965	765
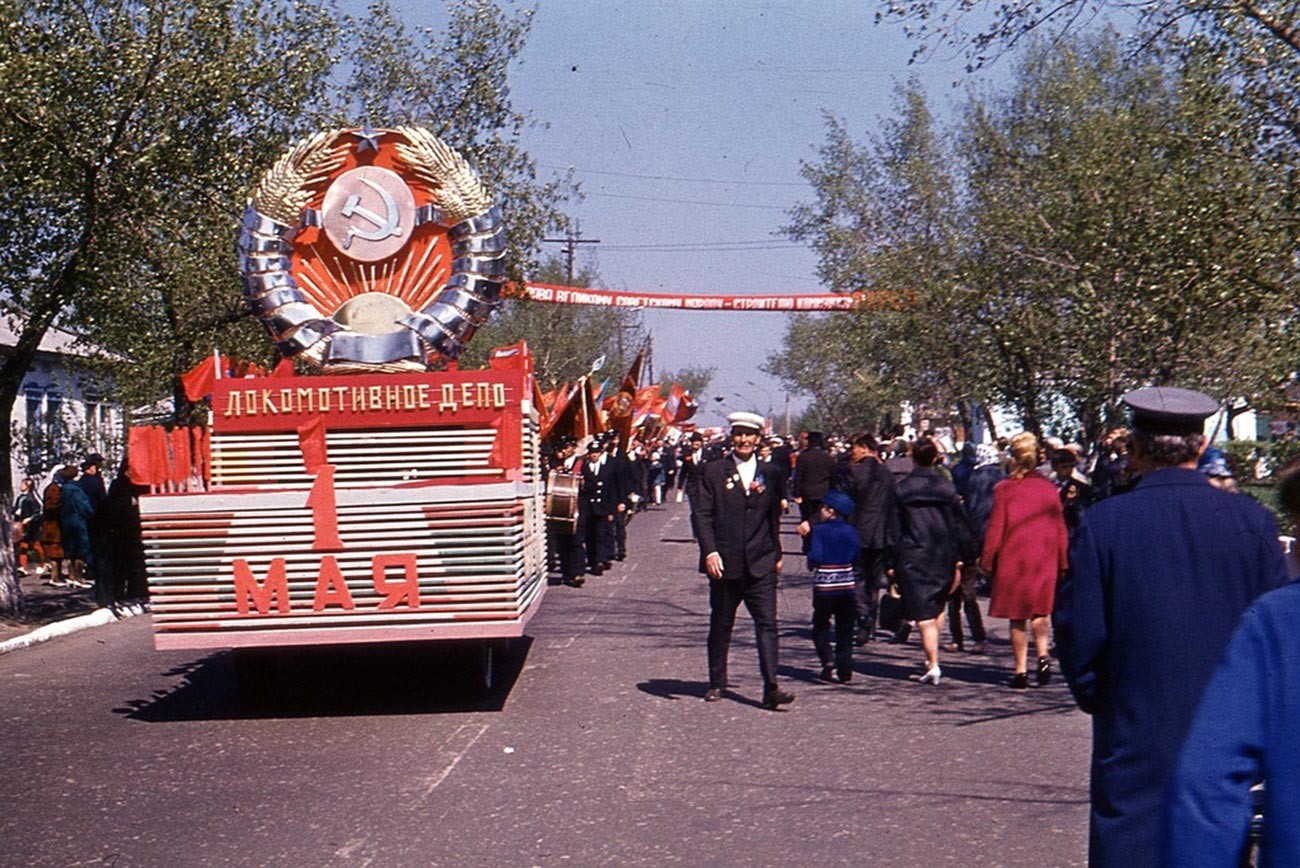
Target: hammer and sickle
386	225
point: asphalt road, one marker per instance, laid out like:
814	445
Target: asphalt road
595	749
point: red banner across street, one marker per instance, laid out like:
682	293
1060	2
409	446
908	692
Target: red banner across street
799	302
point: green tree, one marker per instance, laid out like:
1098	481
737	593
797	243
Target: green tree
128	129
1125	230
693	378
886	219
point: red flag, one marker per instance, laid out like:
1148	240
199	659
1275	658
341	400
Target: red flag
674	403
179	441
200	379
591	418
539	402
159	458
139	457
561	418
512	358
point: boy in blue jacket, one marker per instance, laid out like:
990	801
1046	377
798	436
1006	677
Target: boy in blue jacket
834	547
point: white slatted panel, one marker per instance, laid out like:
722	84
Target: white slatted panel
361	458
479	548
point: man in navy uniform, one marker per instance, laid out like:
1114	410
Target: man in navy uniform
599	495
1158	579
738	518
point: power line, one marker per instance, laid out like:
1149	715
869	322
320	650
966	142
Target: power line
688	201
672	178
689	248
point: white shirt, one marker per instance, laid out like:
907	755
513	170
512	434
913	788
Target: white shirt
746	469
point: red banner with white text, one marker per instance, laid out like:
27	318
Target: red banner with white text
871	300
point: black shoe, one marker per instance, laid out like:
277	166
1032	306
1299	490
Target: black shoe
577	581
846	678
828	673
713	694
776	696
1020	681
1044	670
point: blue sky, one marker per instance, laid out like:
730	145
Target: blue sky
685	123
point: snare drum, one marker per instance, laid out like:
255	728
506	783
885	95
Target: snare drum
562	499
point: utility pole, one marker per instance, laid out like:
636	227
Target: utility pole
650	359
571	242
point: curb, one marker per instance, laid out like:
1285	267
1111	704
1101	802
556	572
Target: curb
97	618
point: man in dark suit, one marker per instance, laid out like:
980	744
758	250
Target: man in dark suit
738	517
814	471
875	515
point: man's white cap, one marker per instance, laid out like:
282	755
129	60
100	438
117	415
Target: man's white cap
747	422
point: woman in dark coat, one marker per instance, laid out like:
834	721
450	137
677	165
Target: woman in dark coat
75	513
1025	552
933	533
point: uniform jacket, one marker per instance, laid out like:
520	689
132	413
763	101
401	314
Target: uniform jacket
1159	577
1246	729
743	526
875	503
600	487
813	473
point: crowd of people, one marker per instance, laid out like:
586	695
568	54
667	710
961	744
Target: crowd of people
1133	564
77	532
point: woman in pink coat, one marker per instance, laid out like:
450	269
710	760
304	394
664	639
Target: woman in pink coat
1025	552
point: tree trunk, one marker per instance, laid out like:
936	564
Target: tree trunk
11	593
988	420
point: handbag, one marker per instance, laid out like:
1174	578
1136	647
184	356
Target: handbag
891	613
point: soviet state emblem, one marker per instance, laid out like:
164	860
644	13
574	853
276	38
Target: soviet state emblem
372	249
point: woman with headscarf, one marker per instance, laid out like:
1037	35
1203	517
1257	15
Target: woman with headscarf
52	529
1025	552
932	533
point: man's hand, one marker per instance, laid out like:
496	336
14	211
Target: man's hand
779	562
713	565
804	528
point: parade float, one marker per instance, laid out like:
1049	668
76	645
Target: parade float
382	495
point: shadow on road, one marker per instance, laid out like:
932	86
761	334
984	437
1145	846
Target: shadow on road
338	681
673	688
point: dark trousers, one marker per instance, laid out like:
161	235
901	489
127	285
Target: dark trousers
868	580
620	535
965	600
810	511
600	541
842	608
759	596
572	551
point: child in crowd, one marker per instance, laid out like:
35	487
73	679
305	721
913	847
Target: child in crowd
831	554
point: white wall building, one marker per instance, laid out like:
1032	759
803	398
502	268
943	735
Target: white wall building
63	412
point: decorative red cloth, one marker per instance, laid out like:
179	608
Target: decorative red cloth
1025	547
